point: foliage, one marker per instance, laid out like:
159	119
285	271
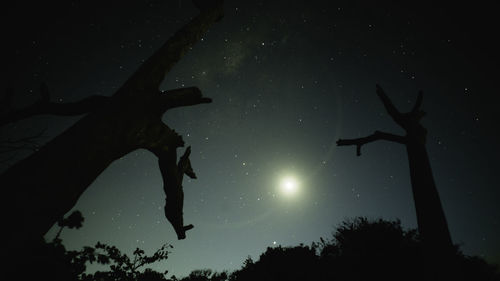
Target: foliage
121	266
61	264
72	264
75	220
359	249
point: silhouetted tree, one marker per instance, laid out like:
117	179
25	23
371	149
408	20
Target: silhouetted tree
121	266
75	220
53	262
431	220
40	189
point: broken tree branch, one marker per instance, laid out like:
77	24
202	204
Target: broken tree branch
45	106
389	106
181	97
152	72
418	103
371	138
159	138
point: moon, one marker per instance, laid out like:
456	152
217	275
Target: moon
289	186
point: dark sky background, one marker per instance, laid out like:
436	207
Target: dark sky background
288	78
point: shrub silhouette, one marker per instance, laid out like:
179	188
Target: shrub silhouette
363	249
360	249
281	263
204	275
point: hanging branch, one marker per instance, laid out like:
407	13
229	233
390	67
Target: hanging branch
173	175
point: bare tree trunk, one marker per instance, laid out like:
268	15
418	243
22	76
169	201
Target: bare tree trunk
430	215
432	225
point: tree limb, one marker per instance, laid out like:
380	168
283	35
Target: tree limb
371	138
152	72
181	97
45	106
389	106
418	103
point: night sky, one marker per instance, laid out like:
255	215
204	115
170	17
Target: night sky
287	79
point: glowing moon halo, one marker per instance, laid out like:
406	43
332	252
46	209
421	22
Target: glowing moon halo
289	186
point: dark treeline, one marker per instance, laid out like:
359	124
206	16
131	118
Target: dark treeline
359	249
